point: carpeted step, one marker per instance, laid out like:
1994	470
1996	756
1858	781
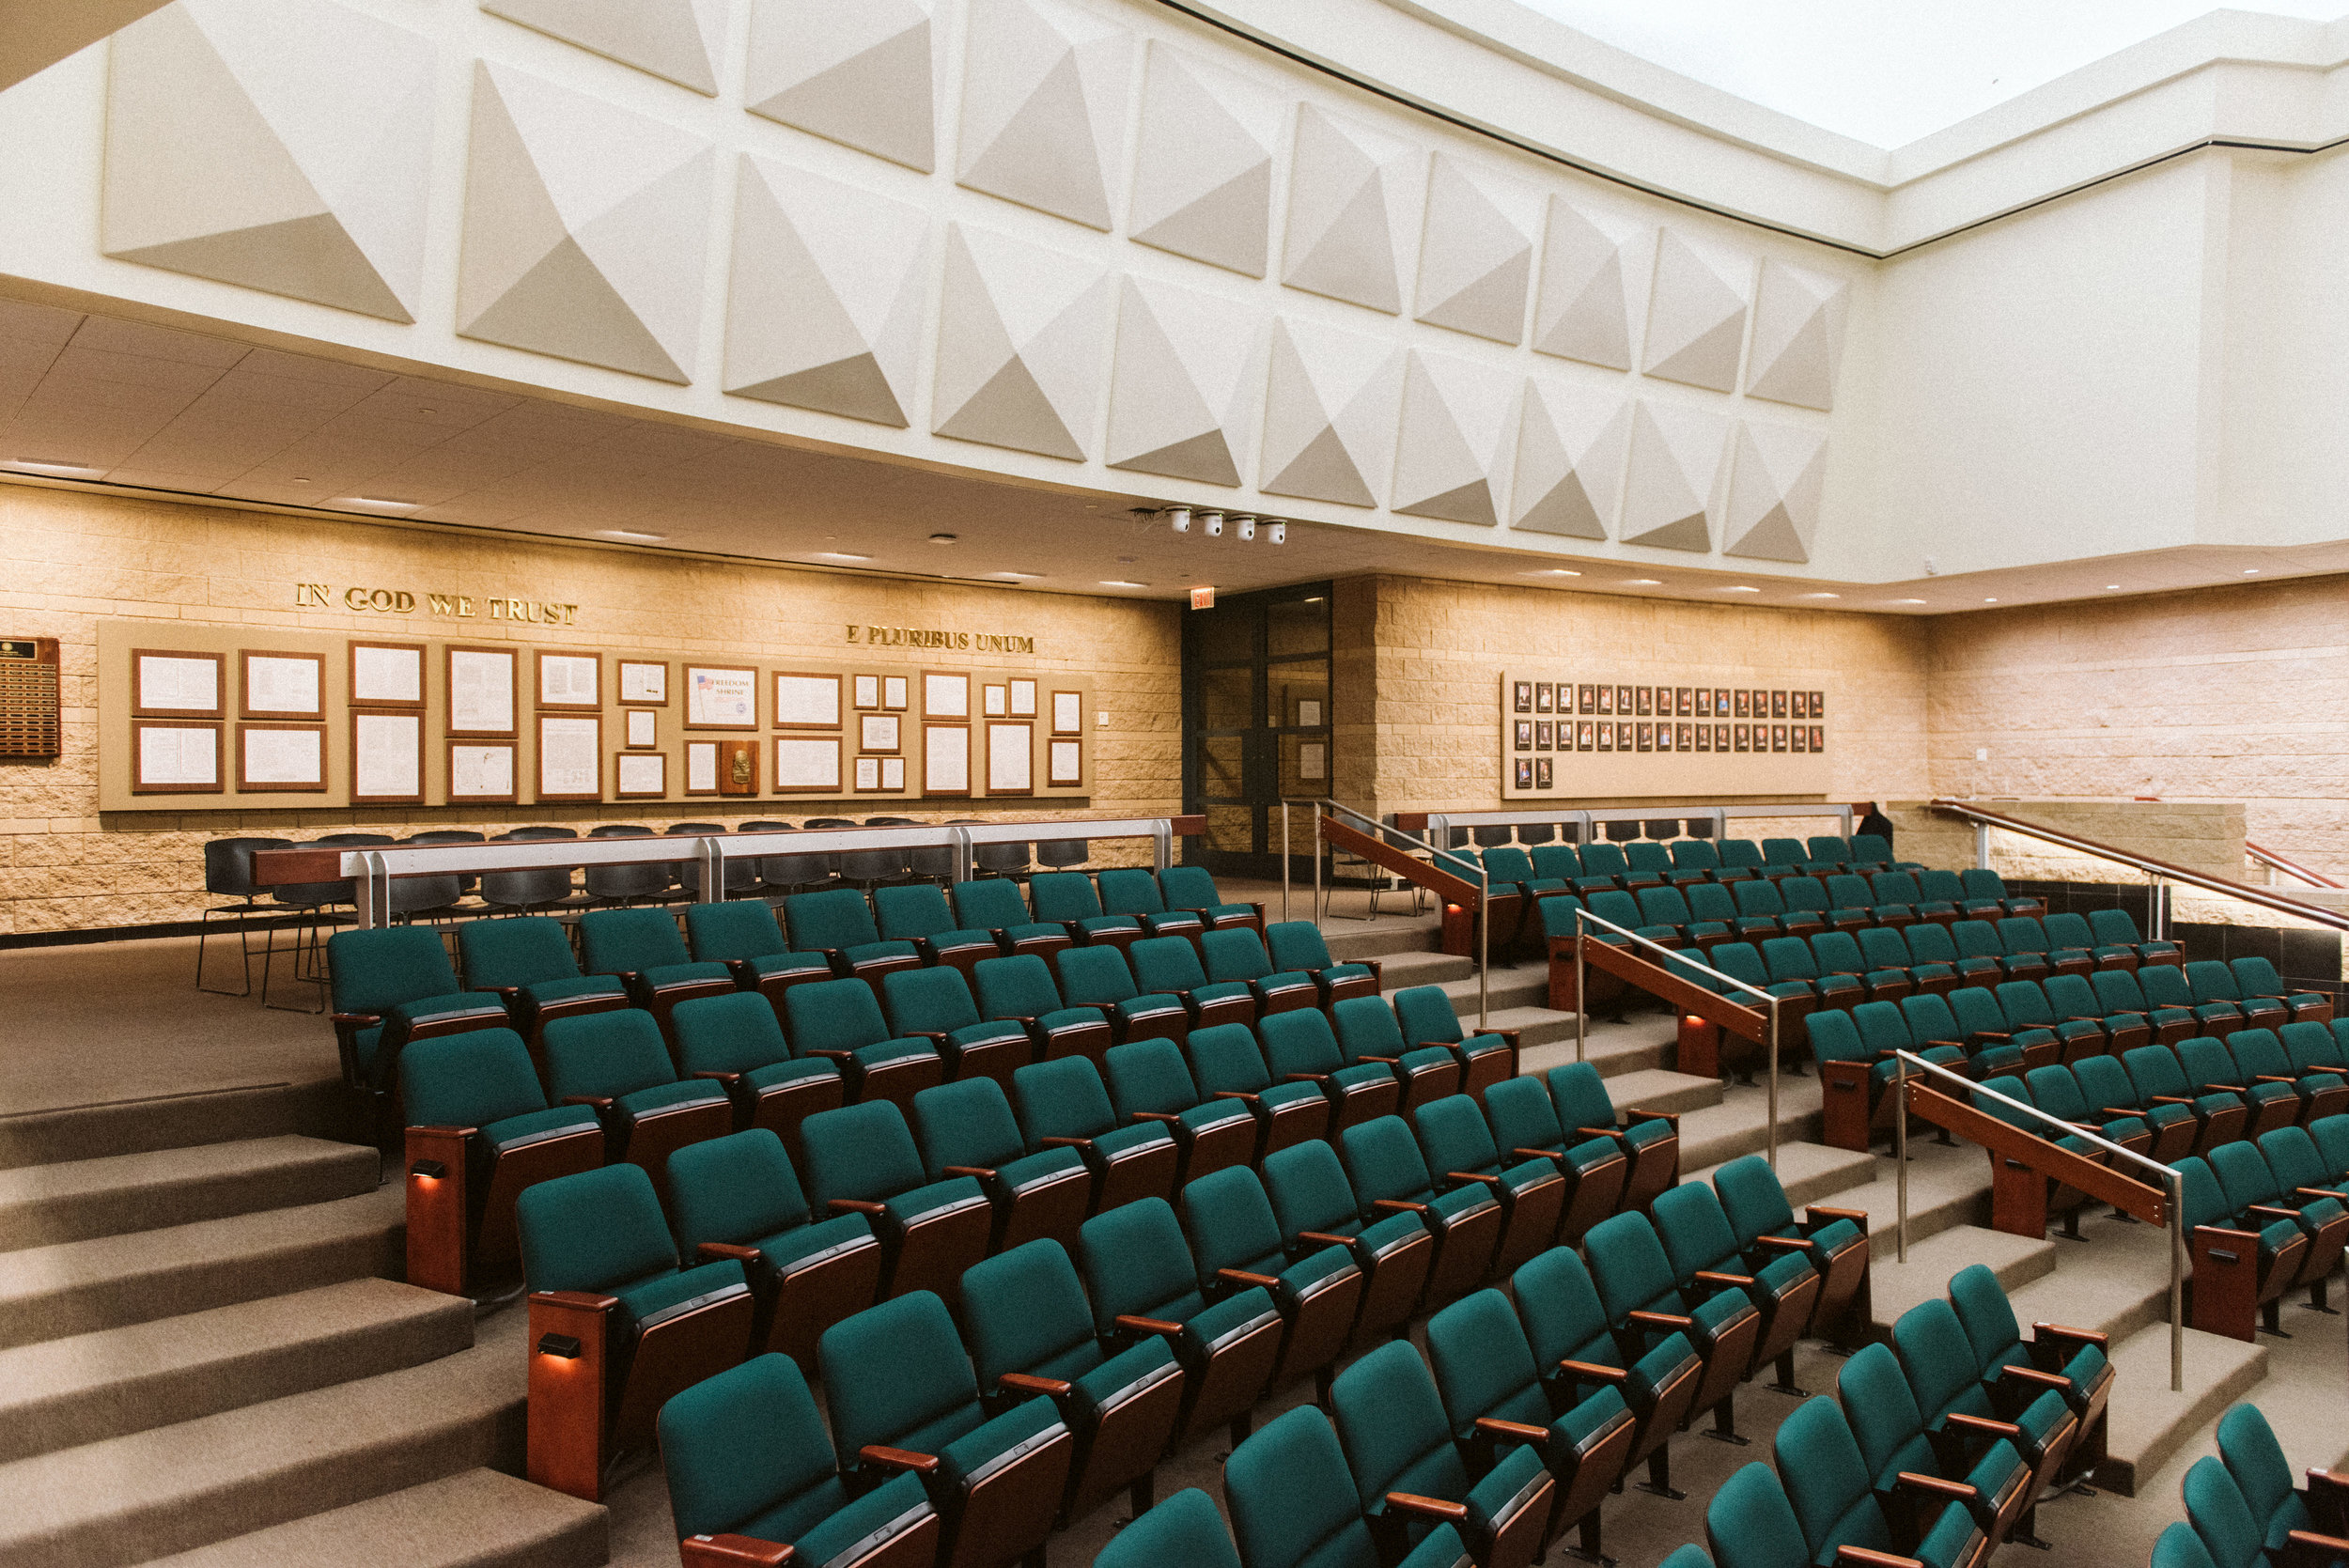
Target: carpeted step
474	1519
1894	1286
1655	1089
1716	1134
1398	970
1613	1049
79	1287
2145	1422
128	1500
1508	988
1350	941
321	1107
75	1199
1809	1172
1946	1186
61	1393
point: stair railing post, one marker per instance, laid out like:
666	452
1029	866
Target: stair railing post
2177	1281
1483	941
1981	846
1772	1140
1284	859
1581	1002
1320	816
1900	1151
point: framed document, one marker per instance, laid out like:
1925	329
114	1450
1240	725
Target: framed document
893	775
868	773
643	727
276	757
1065	764
805	702
878	732
701	768
996	701
570	758
866	691
1309	713
1313	759
175	759
1067	710
567	681
945	759
290	686
166	684
809	765
645	681
945	695
386	759
895	693
481	773
640	775
481	691
720	697
1010	758
1022	698
387	674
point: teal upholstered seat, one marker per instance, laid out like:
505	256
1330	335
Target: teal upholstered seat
645	949
1389	1174
1148	1081
860	1160
967	1129
993	905
744	935
840	1021
1297	945
1313	1203
935	1004
1184	1532
527	961
616	1062
391	985
1301	1047
1226	1061
1099	978
735	1040
1065	1104
1236	1243
1020	989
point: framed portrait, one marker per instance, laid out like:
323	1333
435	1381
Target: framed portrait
1623	735
1010	759
1525	734
1022	697
1798	738
1778	738
738	766
867	774
806	702
1778	705
1683	700
878	732
701	768
720	697
807	765
288	686
1705	738
570	757
281	758
945	695
1522	697
1312	761
1541	734
387	758
1067	712
896	693
1720	738
169	684
1705	702
640	776
1544	697
386	675
1582	742
643	730
1819	736
481	773
1064	764
568	682
866	692
1647	738
994	701
480	691
1643	700
945	758
1309	713
1744	733
1606	736
1545	775
1582	698
1607	698
1663	737
1744	702
645	681
1525	772
169	758
1818	705
1683	737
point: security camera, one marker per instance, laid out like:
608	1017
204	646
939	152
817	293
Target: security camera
1247	530
1180	518
1213	522
1278	532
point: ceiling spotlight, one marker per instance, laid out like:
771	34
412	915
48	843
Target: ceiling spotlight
1180	517
1114	583
1019	575
1278	532
1246	529
1908	601
1989	601
2110	587
1213	524
2250	571
384	502
1551	571
944	539
50	465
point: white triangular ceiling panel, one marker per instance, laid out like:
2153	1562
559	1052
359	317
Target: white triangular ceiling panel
1797	335
1696	323
1203	175
1351	194
1018	344
1183	392
1676	466
1452	452
1569	459
1775	490
858	74
1044	107
1591	266
1476	251
674	40
1329	414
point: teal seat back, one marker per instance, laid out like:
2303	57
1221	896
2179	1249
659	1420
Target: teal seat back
1093	976
2243	1175
2068	930
2116	991
865	1151
2113	927
1750	1524
1981	882
1016	988
1804	896
528	950
2178	1546
1820	1465
1483	1364
1307	1189
1557	912
1845	891
619	941
833	1015
1645	857
1835	1038
1984	1313
1297	945
1062	895
2202	1200
1299	1041
2215	1506
1977	939
1788	958
1710	901
1557	862
1688	1557
2164	986
1663	906
2024	1004
469	1080
1452	1136
1292	1501
1929	943
1506	863
990	904
1023	1308
1235	954
1976	1010
738	928
1929	1019
1752	1198
1061	1099
1741	854
2212	981
1391	1423
1226	1058
2104	1083
738	1444
736	1189
1881	948
2296	1160
1184	1532
1130	890
928	1000
2070	996
2256	976
833	919
1189	887
1228	1220
1882	1026
2055	1091
2154	1070
1581	1097
1427	1016
1695	854
2247	1447
1894	886
1828	846
1559	1310
2012	1088
1695	1229
2331	1134
2207	1062
892	1367
1149	1075
2258	1053
1166	964
967	1122
1628	1263
1941	887
1837	953
605	1054
2020	934
1870	850
730	1034
374	971
1879	1405
1617	908
593	1231
1740	961
1383	1160
1936	1355
915	910
2312	1047
1366	1027
1135	1261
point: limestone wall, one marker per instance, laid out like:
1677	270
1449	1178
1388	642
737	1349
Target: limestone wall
69	560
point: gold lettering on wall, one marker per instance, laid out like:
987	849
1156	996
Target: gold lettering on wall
932	637
459	607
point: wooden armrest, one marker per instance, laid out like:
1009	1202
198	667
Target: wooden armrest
1953	1044
711	1551
1147	1325
725	1081
1985	1425
2328	1498
1591	1371
1615	1133
1390	1061
981	1173
1398	1206
1058	1143
1858	1217
855	1206
2273	1078
720	1252
2034	1375
1659	1320
896	1459
838	1058
2227	1088
1051	1387
600	1103
1516	1432
583	1300
1237	1095
1166	1116
1787	1243
1025	1020
2114	1113
2063	1331
1537	1153
356	1020
1325	1238
2274	1213
2321	1192
2172	1099
1867	1557
1320	1078
2308	1546
1243	1278
1992	1034
1493	1182
1955	1490
1427	1508
1640	1113
1715	1277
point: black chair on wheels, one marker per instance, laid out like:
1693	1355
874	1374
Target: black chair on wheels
873	869
314	903
1001	860
527	892
229	874
622	886
1059	854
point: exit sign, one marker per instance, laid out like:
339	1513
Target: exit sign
1203	598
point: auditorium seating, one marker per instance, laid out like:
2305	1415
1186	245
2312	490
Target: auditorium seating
1020	990
2118	938
862	1159
527	961
1458	1146
1427	1018
1170	966
2232	1535
2256	1194
1100	978
1643	1300
1238	1244
1150	1082
1751	1524
1389	1176
1368	1033
1065	1105
1703	1250
1294	1505
744	935
1067	899
1650	1139
838	922
1191	890
1184	1532
1235	955
2072	1362
1572	1353
1314	1205
917	913
734	1042
967	1129
840	1021
391	985
1297	947
994	905
1834	1241
935	1004
2256	1464
615	1064
1226	1064
1300	1046
1525	1123
643	949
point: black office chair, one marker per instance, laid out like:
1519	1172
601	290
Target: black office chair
1487	837
314	903
621	886
873	869
465	884
229	874
521	893
1062	853
1001	860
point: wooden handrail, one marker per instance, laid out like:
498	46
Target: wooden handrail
2005	1141
1451	889
1747	1023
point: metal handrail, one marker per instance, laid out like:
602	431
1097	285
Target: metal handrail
2173	1181
2159	871
1377	828
1583	1011
2273	861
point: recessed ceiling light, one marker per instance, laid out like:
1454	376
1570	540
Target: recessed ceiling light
1019	575
842	556
944	539
1550	571
1821	596
2250	571
1108	582
1740	588
2110	587
1315	599
51	465
301	479
630	536
382	502
1908	601
1989	601
1643	582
